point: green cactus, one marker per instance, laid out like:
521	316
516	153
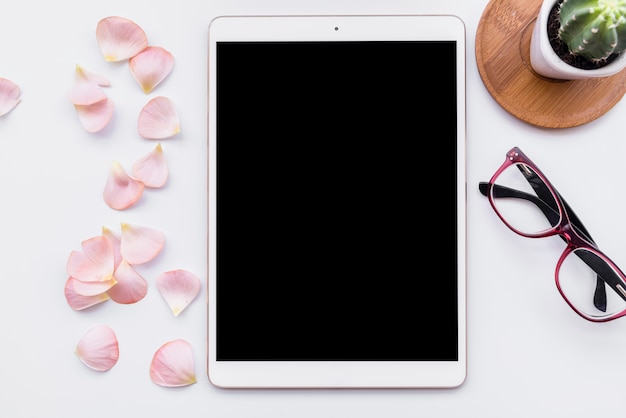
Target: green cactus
593	29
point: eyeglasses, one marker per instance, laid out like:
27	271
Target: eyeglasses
530	206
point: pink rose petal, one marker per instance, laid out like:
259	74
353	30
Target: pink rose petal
95	261
140	244
121	191
151	66
80	302
99	348
151	169
131	287
179	288
9	96
158	119
173	365
86	88
95	117
120	38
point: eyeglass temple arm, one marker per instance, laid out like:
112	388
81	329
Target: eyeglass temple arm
552	214
542	191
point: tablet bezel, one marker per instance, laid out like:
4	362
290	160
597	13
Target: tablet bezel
339	374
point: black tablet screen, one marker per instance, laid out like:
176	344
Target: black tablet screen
336	201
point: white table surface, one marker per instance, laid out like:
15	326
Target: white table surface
528	353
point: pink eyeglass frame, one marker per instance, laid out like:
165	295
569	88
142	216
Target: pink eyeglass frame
567	226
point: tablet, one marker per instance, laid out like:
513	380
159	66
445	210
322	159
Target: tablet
336	202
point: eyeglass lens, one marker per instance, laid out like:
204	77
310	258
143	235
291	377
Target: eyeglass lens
577	281
518	203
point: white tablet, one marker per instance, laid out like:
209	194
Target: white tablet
336	202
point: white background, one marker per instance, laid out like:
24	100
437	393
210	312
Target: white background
528	353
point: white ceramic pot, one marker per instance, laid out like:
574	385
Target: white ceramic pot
547	63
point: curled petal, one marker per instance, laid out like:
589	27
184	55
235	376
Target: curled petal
99	348
178	288
95	261
93	288
158	119
96	78
173	365
121	191
95	117
151	66
131	287
120	38
114	239
79	302
9	96
151	169
140	244
86	88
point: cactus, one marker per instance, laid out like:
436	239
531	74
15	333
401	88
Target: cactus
593	29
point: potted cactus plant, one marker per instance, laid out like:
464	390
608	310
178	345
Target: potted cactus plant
579	39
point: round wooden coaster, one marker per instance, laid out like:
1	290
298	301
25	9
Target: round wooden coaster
503	58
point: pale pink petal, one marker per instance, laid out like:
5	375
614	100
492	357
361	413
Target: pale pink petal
92	288
151	66
9	96
114	239
173	365
95	261
121	191
158	119
86	88
131	287
151	169
120	38
79	302
99	348
179	288
140	244
95	117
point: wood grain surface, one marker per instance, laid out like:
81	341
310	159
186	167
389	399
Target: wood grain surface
503	59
